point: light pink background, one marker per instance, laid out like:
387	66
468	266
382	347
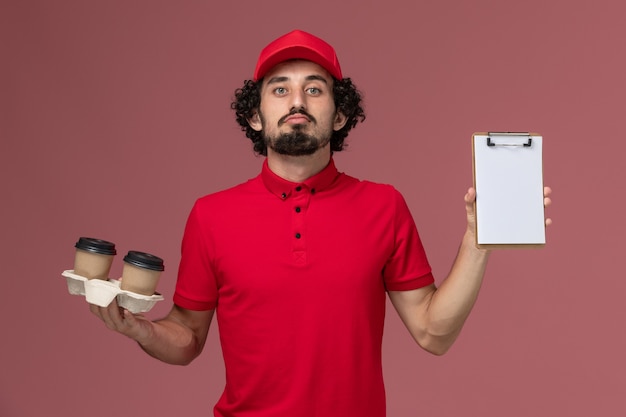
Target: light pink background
115	117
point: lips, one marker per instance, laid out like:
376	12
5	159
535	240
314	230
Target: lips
297	118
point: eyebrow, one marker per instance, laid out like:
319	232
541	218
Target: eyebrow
280	79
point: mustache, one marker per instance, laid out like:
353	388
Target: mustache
296	111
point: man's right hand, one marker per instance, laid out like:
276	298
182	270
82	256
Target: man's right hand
177	339
118	319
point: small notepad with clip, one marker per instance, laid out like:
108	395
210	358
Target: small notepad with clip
508	178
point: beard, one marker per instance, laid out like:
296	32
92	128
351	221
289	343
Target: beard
296	143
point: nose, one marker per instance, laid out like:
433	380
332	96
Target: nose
298	99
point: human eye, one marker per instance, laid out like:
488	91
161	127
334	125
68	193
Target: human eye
314	91
280	91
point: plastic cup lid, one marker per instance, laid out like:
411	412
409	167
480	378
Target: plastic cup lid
144	260
98	246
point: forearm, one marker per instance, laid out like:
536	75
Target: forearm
170	342
452	302
176	339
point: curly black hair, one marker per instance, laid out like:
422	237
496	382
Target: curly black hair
347	101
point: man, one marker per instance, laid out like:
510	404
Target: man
298	261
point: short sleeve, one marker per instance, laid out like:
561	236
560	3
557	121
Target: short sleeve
196	287
408	267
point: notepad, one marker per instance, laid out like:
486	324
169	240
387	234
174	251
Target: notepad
508	178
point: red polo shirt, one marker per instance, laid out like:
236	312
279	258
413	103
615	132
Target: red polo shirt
298	274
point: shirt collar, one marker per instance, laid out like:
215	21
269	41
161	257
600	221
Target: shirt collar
283	188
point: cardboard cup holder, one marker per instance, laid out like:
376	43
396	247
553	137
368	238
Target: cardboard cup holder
102	292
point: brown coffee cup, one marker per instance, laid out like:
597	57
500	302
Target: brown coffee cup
93	258
141	273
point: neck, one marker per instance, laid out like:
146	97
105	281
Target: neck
298	168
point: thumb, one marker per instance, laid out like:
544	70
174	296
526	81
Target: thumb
470	208
470	199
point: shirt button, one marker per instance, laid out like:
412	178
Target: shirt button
298	188
297	235
283	195
312	190
297	209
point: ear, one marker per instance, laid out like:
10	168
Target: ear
340	121
255	121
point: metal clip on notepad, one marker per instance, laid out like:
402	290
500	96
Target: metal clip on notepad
513	134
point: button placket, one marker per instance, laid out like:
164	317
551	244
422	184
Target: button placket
300	200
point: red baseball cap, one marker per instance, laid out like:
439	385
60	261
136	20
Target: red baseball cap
298	45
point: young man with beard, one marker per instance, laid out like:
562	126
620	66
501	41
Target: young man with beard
297	262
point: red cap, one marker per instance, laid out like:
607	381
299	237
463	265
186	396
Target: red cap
298	45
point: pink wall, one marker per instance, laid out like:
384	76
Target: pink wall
115	116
